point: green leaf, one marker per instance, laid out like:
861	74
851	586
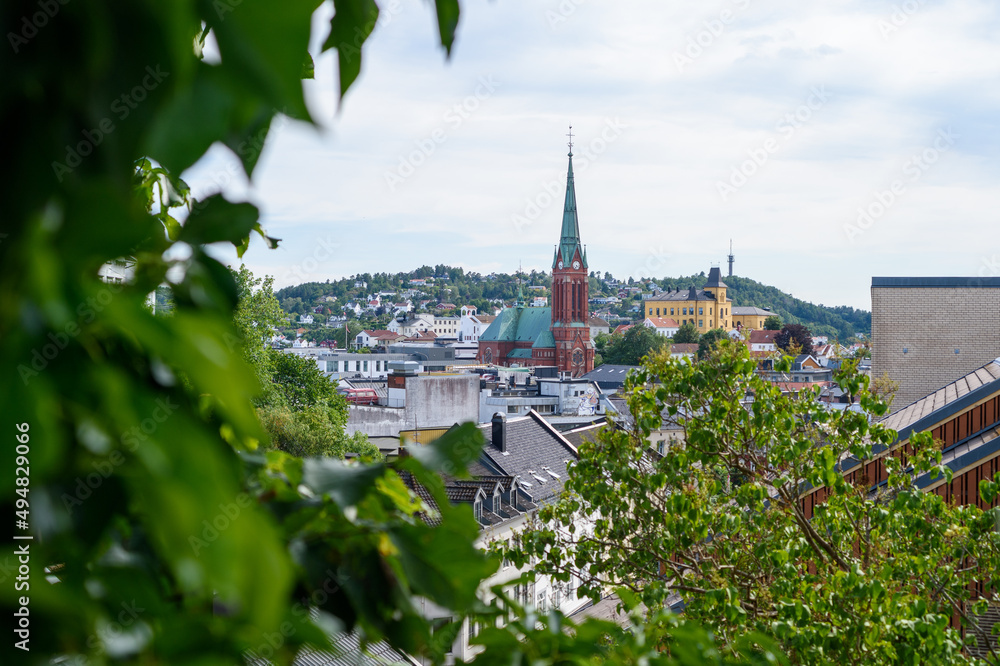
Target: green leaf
345	483
215	219
352	23
263	49
447	18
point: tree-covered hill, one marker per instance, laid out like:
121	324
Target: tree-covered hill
841	321
455	285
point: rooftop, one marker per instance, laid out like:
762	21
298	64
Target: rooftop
936	282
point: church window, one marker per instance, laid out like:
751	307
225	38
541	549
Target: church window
488	355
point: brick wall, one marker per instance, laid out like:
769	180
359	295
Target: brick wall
917	327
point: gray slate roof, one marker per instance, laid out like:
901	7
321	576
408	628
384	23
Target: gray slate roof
747	310
532	446
609	376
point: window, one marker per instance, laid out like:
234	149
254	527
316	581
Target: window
477	508
657	312
650	311
710	311
496	510
546	409
366	366
671	310
660	446
701	323
512	409
685	310
542	603
701	311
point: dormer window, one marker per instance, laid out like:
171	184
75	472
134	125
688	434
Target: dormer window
496	504
477	509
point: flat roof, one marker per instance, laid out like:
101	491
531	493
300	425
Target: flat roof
938	282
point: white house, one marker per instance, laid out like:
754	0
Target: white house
662	325
305	319
763	341
373	338
598	326
473	325
447	327
412	325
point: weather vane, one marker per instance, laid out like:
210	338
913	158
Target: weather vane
570	135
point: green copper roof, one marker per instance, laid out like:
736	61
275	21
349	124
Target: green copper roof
519	353
569	241
545	340
519	324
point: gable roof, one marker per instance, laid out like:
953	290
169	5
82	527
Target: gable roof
536	453
587	433
597	322
947	401
760	337
661	322
518	325
545	340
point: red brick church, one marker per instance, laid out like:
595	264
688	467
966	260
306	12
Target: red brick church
558	335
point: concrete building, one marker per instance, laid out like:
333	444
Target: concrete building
417	401
341	365
929	331
557	399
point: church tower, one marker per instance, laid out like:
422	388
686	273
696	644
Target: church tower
570	290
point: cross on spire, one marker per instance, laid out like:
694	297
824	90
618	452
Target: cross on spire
570	135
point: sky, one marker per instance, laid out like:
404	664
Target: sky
829	142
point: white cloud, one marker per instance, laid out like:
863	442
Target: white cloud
655	185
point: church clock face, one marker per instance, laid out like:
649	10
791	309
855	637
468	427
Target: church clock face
559	265
576	264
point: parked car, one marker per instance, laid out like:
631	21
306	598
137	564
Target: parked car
360	396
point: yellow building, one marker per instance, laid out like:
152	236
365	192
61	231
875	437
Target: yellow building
706	308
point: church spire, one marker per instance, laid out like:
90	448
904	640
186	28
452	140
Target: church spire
569	241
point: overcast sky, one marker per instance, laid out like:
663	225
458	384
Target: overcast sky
775	124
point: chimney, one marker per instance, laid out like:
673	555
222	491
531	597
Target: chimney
500	432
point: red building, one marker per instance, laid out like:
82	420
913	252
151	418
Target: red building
558	335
